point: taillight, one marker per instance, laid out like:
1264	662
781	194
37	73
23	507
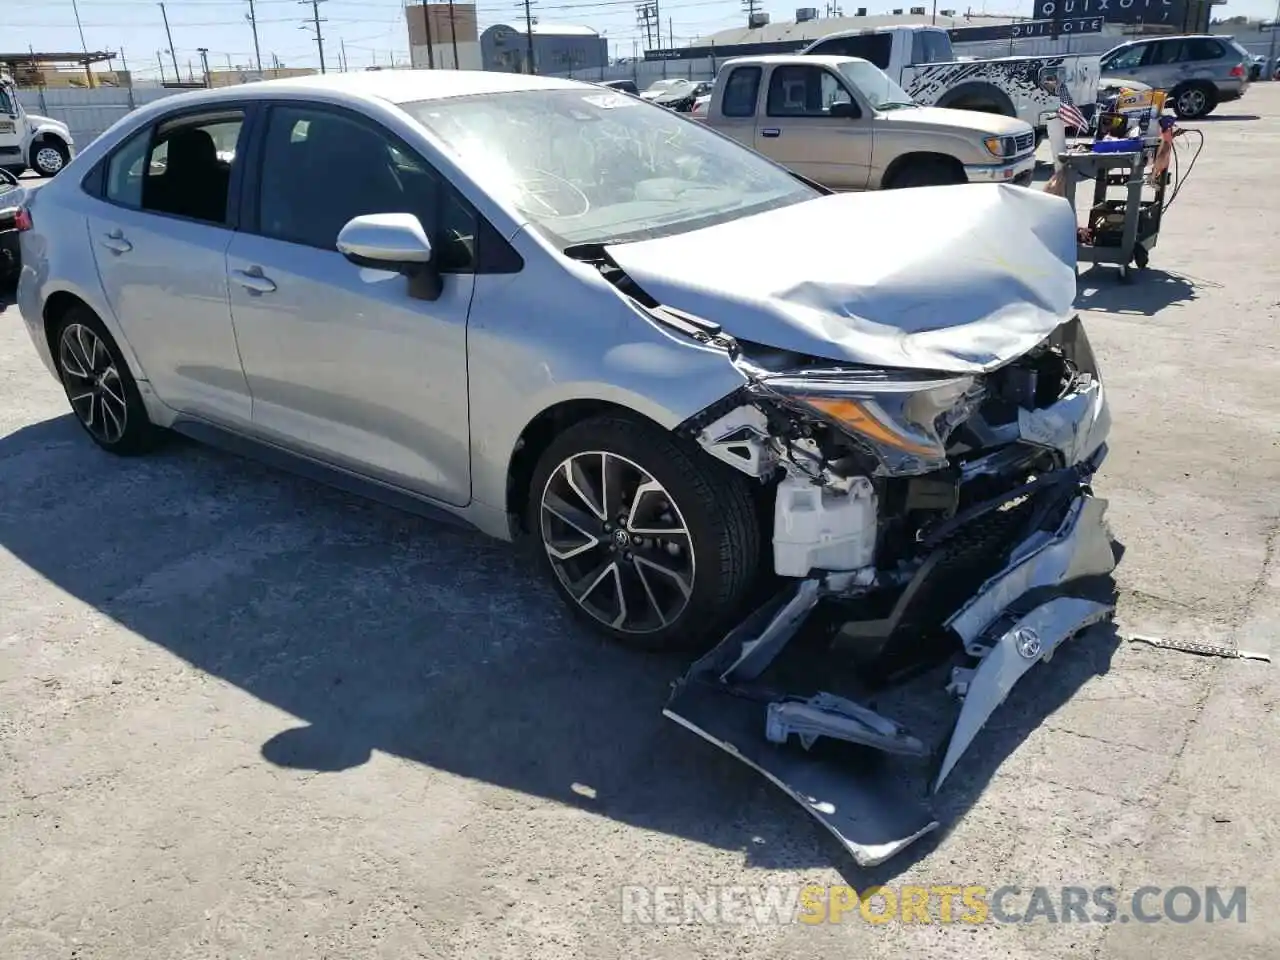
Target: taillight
22	219
1237	70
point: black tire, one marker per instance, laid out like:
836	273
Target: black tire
927	172
139	434
1194	100
49	143
713	502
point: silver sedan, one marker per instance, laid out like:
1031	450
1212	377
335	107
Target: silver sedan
701	386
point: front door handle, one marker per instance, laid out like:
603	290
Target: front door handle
253	280
115	241
771	132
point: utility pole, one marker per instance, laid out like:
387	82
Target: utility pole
88	75
453	35
253	22
230	66
177	74
528	35
431	46
191	72
204	62
316	20
160	60
342	54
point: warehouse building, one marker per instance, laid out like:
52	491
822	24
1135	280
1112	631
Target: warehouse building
557	49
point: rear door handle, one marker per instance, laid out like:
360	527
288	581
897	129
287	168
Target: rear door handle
253	280
771	132
115	242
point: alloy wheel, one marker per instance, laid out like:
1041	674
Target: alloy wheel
93	383
617	542
1192	102
48	160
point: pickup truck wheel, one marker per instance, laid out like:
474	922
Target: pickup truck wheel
648	540
48	156
927	172
1194	100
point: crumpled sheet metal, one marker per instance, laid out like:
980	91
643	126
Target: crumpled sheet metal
1080	547
959	278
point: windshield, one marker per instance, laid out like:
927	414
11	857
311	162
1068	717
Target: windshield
874	84
594	166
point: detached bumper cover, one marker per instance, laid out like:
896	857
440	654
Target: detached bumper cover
872	801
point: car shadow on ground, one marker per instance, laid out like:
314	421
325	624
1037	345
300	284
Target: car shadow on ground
1217	117
1146	293
382	631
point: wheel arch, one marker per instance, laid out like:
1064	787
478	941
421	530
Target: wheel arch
539	433
979	96
56	305
900	163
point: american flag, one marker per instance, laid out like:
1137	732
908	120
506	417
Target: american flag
1068	112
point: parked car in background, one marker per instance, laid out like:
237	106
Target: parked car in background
679	95
1257	64
1197	72
921	60
841	122
626	86
11	210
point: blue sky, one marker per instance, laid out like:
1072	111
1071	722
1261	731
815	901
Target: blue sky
373	30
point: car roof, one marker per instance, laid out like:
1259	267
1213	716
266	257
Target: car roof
395	86
826	60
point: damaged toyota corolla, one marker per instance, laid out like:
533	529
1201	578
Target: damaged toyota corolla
824	440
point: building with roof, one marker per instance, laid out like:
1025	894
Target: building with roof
557	48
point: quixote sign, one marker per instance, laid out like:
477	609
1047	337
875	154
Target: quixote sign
1028	28
1171	12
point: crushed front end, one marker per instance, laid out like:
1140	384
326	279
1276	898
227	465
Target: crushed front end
919	518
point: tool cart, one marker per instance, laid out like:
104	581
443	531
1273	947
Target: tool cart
1123	221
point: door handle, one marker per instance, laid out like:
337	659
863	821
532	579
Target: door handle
253	280
115	241
771	132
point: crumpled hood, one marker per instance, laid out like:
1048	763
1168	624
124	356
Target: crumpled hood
960	278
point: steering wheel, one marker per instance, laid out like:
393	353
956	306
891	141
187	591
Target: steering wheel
546	189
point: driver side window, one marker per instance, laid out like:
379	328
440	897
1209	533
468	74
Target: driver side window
801	91
321	168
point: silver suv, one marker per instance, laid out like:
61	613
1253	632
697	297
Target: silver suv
1198	72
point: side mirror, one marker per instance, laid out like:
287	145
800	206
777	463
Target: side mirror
846	109
393	241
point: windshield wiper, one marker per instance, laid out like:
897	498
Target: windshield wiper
894	104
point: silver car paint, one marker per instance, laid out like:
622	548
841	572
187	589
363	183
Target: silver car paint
528	346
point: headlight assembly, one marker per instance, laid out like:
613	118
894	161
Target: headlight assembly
1001	146
901	418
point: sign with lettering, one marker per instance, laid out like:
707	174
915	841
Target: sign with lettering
1028	28
1171	12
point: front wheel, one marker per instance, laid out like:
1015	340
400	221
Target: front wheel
647	539
1194	101
49	156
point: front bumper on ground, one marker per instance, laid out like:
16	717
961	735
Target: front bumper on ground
836	757
1018	170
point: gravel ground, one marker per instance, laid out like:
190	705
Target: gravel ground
244	716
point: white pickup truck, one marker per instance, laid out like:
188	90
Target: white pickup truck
921	60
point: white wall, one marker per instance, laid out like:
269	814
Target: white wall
89	112
468	56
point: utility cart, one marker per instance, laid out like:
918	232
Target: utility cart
1124	219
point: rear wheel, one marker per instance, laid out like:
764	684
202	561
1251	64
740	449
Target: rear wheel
101	390
648	540
927	172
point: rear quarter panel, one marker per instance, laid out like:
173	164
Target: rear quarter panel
1017	77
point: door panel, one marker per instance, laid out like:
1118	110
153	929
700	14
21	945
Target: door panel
797	130
344	365
164	271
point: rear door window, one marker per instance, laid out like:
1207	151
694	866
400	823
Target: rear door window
876	47
1201	48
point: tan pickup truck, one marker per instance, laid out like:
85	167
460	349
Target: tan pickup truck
842	122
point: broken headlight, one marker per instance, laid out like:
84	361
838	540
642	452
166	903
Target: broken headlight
901	418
